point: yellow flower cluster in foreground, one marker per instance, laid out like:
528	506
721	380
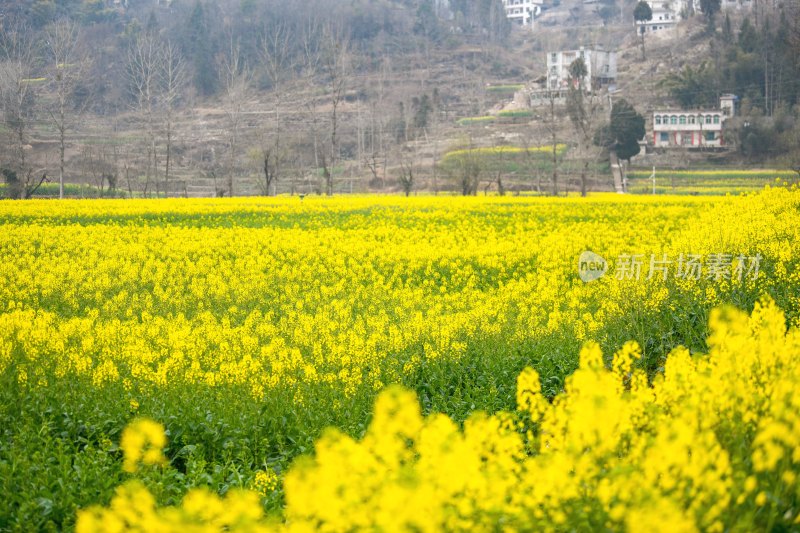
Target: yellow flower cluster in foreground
713	443
134	509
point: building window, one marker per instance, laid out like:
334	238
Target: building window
664	137
683	119
708	119
673	119
658	119
691	119
711	136
553	58
716	119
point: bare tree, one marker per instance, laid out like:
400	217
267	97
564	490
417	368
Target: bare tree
466	168
375	154
173	80
471	168
276	54
272	163
19	91
145	67
68	64
434	127
552	123
236	79
336	69
532	160
499	164
270	158
95	166
583	110
407	176
311	61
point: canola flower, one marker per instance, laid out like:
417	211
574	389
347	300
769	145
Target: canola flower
133	508
270	293
142	443
247	325
711	444
265	482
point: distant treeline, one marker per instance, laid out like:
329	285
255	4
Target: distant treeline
204	29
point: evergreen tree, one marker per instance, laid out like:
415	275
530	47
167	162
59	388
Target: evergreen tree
641	14
710	8
422	109
748	38
198	48
623	133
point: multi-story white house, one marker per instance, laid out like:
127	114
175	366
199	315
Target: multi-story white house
601	67
736	5
693	128
523	12
666	14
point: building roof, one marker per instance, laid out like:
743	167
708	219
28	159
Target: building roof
689	112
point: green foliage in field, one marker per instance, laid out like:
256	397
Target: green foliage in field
471	121
505	159
515	115
505	90
710	182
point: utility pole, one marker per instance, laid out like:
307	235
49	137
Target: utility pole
653	176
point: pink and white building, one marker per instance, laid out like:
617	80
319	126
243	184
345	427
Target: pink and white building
693	128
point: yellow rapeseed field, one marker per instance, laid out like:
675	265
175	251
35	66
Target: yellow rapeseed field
246	326
710	445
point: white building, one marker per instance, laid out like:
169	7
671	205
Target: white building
693	128
523	12
736	5
601	67
666	14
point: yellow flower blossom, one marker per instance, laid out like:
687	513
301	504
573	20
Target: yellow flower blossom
275	295
142	443
265	482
